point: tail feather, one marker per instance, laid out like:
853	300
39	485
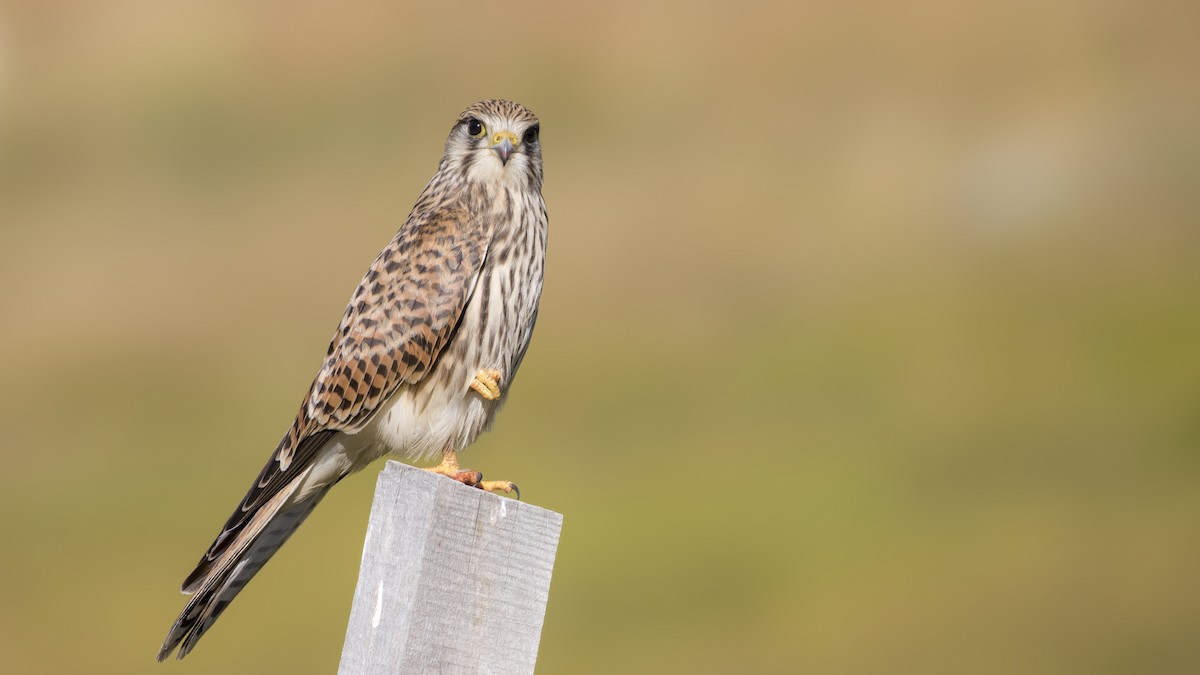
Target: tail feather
262	536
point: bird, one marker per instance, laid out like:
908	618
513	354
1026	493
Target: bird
422	359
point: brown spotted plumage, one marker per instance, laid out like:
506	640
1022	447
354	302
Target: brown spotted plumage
424	355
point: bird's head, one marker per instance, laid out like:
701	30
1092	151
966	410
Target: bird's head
496	140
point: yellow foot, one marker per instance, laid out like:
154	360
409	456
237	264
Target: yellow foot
487	383
450	469
505	486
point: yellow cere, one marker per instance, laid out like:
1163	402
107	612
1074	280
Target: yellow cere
501	136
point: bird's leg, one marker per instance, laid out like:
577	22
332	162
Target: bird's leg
450	469
487	383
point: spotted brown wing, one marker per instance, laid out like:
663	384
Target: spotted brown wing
398	321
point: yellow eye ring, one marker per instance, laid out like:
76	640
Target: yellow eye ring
475	128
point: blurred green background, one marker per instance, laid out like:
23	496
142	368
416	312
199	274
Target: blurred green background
869	341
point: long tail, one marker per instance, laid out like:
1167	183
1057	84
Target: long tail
261	537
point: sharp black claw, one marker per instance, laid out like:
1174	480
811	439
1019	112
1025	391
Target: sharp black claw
516	490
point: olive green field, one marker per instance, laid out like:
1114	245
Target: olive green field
870	339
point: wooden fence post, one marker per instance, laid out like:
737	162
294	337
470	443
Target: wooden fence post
453	579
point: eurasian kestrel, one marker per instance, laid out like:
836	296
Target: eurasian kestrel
424	355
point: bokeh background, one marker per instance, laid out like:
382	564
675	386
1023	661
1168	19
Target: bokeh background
869	341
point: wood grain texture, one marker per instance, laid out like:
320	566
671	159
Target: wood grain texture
453	579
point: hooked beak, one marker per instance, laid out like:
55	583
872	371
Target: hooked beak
503	143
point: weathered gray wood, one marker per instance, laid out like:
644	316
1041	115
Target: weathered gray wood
453	579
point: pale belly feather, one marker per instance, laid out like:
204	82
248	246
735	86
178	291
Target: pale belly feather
441	411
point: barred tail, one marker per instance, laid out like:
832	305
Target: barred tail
262	536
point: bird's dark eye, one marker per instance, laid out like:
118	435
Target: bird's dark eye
474	127
531	134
